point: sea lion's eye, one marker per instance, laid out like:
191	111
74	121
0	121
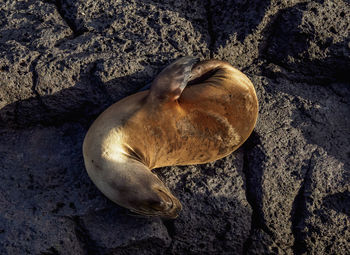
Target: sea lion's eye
155	204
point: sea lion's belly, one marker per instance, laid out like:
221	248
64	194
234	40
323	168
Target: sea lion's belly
205	124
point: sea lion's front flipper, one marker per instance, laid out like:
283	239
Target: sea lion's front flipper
170	83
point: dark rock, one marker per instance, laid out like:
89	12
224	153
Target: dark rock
311	39
36	25
216	216
286	191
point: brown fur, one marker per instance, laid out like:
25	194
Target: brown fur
210	120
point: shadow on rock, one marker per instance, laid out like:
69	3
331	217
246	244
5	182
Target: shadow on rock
299	208
339	202
209	224
47	176
43	178
235	17
216	21
293	43
80	103
216	217
253	168
298	65
113	229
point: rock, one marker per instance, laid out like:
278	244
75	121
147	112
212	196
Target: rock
286	191
308	38
216	216
301	91
47	195
322	206
112	230
16	80
19	233
36	25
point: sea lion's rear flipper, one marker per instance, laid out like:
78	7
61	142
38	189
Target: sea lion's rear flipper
169	84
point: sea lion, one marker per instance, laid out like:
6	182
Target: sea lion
169	125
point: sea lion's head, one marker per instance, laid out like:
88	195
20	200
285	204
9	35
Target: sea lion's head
126	181
142	192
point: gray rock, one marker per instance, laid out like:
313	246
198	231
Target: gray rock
49	204
286	191
308	38
216	216
299	70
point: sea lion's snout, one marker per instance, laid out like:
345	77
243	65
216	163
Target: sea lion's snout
142	192
169	205
160	202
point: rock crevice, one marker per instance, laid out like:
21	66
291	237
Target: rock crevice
63	62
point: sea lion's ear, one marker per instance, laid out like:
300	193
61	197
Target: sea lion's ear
170	83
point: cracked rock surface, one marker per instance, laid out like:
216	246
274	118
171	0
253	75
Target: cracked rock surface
286	191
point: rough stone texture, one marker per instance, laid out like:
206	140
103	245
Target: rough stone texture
287	191
216	216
